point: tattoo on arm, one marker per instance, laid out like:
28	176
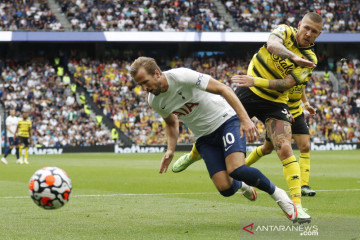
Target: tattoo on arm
279	85
282	84
276	46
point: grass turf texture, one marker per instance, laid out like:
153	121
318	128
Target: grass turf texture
123	197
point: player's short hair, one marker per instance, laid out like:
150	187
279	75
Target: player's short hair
148	63
314	17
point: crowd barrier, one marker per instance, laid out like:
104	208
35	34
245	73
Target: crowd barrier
162	148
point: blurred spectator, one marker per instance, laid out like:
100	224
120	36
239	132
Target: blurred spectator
262	16
171	15
58	120
27	15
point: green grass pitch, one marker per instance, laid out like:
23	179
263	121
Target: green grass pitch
123	197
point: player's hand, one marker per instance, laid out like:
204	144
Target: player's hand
243	80
303	62
311	110
166	160
249	129
292	119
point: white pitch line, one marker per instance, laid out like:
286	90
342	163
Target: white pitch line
165	194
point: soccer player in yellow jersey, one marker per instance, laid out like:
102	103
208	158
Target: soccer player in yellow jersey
285	61
301	135
23	132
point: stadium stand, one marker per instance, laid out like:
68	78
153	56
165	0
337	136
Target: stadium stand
58	120
143	15
27	16
111	88
262	16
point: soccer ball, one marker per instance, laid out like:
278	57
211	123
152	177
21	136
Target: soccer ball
50	187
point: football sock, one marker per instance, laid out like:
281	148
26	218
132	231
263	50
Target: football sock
291	170
194	154
304	162
254	156
232	190
17	153
26	152
8	150
253	177
21	150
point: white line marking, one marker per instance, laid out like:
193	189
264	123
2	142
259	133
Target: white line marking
164	194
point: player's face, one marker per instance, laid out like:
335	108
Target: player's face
308	31
12	112
25	115
148	82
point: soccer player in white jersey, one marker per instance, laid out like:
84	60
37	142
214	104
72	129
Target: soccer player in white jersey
213	112
11	125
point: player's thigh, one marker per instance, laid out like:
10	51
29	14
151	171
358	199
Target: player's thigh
26	142
261	108
222	180
300	133
267	147
280	134
212	155
234	146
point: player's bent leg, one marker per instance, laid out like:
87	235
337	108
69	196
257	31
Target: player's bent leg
259	152
228	186
280	135
254	177
186	160
303	142
251	176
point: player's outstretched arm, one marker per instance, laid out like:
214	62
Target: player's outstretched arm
276	84
308	107
276	46
172	133
247	126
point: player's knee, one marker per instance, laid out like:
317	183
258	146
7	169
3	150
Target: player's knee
266	151
305	147
228	192
284	148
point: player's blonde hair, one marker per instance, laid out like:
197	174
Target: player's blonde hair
314	17
148	63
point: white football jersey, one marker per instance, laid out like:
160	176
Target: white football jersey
201	111
12	123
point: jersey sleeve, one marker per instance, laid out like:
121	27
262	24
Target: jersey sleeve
301	75
282	31
194	79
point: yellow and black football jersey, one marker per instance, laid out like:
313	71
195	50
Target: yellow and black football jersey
269	66
294	102
24	127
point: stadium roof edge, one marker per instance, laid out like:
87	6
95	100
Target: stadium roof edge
259	37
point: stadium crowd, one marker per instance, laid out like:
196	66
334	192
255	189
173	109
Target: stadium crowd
144	15
27	15
175	15
262	16
109	84
57	118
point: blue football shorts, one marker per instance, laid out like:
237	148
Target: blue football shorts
13	141
215	147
